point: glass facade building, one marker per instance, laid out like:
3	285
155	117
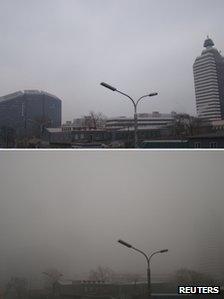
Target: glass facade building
29	112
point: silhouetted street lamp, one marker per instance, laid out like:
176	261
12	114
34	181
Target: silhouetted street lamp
148	258
135	106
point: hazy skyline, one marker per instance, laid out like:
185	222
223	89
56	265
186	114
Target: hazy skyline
68	209
68	47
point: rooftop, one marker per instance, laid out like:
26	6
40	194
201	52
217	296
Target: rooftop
27	92
208	42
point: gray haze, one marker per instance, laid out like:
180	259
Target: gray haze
68	209
67	47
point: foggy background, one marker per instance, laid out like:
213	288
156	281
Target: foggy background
68	209
67	47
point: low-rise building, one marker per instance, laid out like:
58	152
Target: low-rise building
114	132
209	141
102	290
145	121
69	136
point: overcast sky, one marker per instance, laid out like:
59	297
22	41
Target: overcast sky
67	47
68	209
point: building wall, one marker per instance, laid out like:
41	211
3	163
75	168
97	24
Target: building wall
28	111
145	120
211	142
119	291
71	136
209	83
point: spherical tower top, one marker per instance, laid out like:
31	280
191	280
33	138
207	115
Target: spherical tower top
208	42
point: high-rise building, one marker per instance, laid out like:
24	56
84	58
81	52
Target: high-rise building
209	82
28	112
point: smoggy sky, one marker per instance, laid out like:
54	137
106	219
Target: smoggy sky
68	209
67	47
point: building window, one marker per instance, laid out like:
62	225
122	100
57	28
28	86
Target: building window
197	145
213	144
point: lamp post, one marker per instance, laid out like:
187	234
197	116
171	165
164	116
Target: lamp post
148	259
135	104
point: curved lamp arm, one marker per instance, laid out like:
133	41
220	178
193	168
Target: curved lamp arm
148	258
158	251
145	255
147	95
126	95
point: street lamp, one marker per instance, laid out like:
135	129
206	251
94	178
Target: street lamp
148	259
135	104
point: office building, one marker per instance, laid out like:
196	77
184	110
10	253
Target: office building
209	83
29	112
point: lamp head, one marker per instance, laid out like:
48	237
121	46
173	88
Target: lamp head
164	250
153	94
124	243
108	86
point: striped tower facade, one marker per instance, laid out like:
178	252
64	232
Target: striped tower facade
209	83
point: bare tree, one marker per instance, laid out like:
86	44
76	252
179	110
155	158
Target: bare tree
131	277
102	274
186	125
95	120
41	123
52	276
190	277
19	286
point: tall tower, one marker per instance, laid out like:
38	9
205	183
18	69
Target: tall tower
209	82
